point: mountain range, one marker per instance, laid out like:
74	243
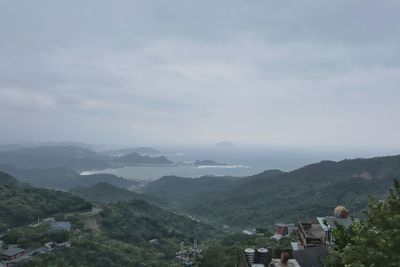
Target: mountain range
149	151
22	204
72	157
65	179
106	193
274	195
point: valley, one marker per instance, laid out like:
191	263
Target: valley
210	211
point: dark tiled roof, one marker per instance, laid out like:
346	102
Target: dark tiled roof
311	257
12	251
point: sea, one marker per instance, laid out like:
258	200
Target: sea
238	161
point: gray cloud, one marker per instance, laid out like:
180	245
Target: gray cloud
274	72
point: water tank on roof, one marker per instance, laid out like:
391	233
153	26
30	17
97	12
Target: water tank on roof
341	212
249	253
262	256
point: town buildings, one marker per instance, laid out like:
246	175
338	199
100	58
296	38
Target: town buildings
12	255
61	226
314	238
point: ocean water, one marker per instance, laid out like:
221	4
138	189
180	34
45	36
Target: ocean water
242	161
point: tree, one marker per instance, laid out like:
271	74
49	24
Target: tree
375	242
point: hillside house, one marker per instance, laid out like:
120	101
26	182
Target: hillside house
12	253
61	226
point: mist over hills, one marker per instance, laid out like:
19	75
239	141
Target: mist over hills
174	209
65	179
140	150
72	157
45	157
135	158
272	195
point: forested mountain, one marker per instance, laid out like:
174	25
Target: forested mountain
121	238
124	228
138	220
141	150
45	157
64	179
135	158
107	193
186	190
22	204
72	157
281	196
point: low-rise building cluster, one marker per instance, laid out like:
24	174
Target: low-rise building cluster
12	255
311	247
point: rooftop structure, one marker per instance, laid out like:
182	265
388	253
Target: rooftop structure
249	253
281	230
329	223
61	226
290	263
256	257
311	256
12	253
154	241
249	231
311	235
341	212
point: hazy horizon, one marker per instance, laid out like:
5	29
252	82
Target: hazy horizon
286	74
242	160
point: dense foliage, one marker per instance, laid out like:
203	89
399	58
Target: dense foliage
34	237
274	195
137	221
97	250
124	229
107	193
71	157
375	242
22	204
124	235
63	179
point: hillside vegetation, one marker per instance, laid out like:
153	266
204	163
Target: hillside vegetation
138	220
64	179
72	158
22	204
107	193
273	196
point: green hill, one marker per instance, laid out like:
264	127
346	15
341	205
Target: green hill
46	157
22	204
141	150
64	179
186	190
123	233
106	193
73	158
273	196
138	220
134	158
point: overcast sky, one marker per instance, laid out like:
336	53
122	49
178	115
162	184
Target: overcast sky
312	73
